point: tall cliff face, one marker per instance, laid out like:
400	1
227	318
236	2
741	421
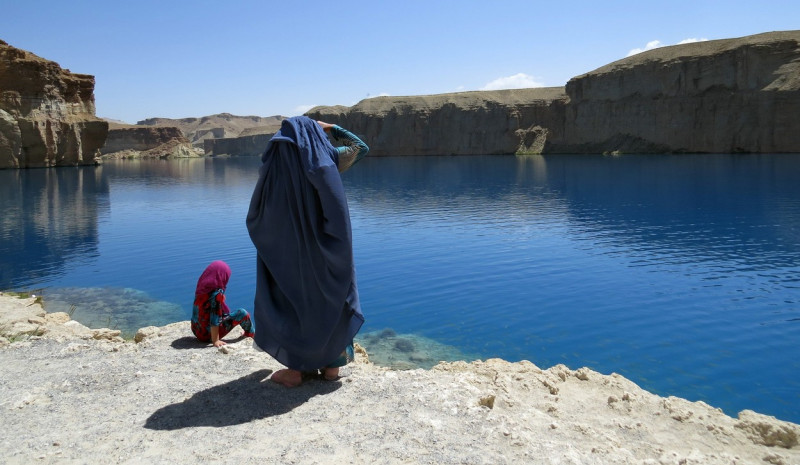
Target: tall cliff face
251	145
47	114
733	95
464	123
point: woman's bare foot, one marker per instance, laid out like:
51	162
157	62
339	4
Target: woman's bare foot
331	374
287	377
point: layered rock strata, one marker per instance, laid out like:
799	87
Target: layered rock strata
465	123
720	96
47	114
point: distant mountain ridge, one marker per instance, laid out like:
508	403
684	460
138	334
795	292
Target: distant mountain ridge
219	126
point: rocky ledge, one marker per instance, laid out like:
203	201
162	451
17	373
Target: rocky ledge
71	394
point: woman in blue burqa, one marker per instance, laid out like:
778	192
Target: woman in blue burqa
306	305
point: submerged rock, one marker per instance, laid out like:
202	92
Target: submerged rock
408	351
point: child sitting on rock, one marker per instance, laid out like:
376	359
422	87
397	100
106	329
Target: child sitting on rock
211	317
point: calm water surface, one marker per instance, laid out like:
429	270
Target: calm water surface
679	272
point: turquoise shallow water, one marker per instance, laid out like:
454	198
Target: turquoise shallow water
678	271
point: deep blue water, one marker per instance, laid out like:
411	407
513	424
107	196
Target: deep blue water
679	272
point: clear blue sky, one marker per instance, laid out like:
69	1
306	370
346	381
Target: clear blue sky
176	59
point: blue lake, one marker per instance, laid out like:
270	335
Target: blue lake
679	272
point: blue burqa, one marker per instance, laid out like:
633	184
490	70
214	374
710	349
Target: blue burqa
306	306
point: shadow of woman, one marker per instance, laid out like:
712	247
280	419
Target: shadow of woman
240	401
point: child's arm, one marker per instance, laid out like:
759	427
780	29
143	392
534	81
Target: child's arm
215	317
215	337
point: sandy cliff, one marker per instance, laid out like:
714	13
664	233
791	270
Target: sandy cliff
720	96
70	394
47	114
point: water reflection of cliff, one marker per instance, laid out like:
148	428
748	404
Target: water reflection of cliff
188	171
742	208
482	189
49	216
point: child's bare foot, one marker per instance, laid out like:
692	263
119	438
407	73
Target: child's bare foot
287	377
331	374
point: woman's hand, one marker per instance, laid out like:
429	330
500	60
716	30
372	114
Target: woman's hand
325	126
219	343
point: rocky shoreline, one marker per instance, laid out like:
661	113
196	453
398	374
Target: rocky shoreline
71	394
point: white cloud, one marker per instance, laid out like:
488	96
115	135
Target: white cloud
517	81
657	43
691	41
650	46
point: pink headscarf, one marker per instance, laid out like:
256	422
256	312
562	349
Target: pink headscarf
215	276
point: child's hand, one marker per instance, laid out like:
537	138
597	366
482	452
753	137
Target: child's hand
220	343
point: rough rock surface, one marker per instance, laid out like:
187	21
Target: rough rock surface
253	144
720	96
70	394
129	141
47	114
464	123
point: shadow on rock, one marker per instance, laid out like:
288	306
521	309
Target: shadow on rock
240	401
188	342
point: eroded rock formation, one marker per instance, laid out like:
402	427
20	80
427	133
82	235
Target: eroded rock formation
47	114
720	96
128	141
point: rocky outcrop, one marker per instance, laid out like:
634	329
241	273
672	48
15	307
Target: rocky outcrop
63	382
128	141
47	114
721	96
